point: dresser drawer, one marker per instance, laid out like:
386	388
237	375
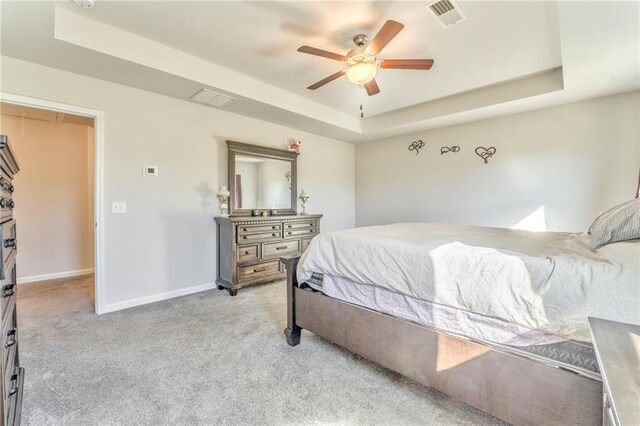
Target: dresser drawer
6	186
13	402
8	288
306	242
246	238
296	232
280	248
6	208
8	237
301	225
258	271
9	335
8	162
247	253
10	371
256	229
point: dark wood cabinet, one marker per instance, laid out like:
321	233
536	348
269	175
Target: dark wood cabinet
248	248
12	373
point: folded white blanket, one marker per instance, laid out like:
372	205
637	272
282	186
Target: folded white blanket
549	280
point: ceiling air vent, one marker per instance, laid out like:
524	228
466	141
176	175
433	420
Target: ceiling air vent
211	98
446	12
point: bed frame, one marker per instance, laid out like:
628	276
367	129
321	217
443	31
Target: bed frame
516	389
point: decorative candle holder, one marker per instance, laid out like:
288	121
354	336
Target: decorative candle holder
303	197
223	197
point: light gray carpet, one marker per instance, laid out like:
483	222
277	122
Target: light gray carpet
202	359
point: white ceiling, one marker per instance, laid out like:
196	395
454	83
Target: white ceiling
506	57
259	39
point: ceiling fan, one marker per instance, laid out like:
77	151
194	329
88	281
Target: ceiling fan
362	62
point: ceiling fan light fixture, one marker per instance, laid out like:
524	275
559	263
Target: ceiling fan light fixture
361	73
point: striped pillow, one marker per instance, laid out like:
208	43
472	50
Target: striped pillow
620	223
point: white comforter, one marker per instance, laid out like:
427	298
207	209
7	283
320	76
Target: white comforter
549	281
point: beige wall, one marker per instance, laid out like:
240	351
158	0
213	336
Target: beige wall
54	193
165	244
574	160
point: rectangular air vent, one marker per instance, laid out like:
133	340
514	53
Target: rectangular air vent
211	98
446	12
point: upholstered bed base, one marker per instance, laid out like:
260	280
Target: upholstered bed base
515	389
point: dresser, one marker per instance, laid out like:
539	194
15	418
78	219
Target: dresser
249	248
12	373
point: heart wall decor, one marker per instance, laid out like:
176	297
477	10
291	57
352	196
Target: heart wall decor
416	146
485	153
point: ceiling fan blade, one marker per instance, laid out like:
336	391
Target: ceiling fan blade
327	80
319	52
407	64
389	30
372	88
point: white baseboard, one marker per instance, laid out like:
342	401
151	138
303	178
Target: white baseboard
112	307
54	276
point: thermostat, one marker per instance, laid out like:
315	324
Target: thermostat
150	170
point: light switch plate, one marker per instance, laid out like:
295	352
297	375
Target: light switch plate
118	207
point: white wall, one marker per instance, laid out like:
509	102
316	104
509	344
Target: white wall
53	197
574	160
165	242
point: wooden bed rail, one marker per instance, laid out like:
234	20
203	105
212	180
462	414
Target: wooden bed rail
516	389
292	332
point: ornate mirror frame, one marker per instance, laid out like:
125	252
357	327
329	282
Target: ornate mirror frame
238	148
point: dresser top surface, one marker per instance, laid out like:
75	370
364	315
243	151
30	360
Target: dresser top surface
258	219
617	348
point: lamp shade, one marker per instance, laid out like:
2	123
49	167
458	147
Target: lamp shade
361	73
303	194
223	192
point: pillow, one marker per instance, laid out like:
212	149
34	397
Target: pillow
620	223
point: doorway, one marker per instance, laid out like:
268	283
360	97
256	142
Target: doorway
58	194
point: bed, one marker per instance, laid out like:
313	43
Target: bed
496	318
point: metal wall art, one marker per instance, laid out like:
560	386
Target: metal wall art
485	153
446	149
416	146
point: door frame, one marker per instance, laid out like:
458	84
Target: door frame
98	181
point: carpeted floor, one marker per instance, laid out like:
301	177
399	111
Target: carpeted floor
207	358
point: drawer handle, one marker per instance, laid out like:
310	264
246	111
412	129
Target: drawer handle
6	185
7	293
274	227
13	391
274	234
6	203
288	232
260	269
11	342
282	248
247	252
9	242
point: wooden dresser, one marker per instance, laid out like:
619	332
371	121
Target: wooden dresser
249	248
12	373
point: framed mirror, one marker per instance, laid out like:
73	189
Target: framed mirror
261	178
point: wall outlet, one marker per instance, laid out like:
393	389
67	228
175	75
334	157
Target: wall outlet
118	207
150	170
